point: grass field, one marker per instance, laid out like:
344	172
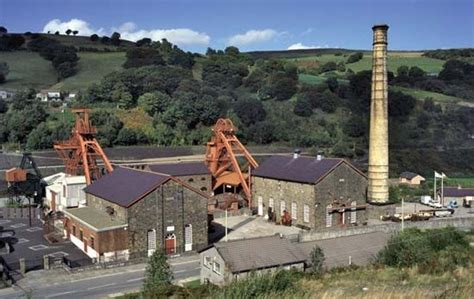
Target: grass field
395	60
91	68
463	182
423	94
27	69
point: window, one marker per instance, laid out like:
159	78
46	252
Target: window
217	268
306	213
271	203
353	212
328	216
207	262
294	210
191	180
282	207
203	178
74	230
92	241
203	189
151	236
64	190
81	235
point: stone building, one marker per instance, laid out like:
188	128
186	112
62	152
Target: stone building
131	213
316	192
227	261
411	178
196	174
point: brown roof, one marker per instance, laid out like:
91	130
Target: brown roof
259	253
302	169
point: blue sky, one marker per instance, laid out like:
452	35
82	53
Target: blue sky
254	25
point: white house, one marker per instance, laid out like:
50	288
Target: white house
49	96
64	191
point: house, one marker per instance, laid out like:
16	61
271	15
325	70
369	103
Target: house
131	213
460	195
226	261
411	178
195	174
3	94
315	192
49	96
64	191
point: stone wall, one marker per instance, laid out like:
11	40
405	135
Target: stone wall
101	205
202	182
460	222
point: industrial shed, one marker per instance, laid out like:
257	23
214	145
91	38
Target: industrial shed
141	211
316	192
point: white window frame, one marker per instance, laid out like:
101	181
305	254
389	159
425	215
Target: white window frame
294	210
214	268
188	237
306	213
151	241
328	216
282	207
207	262
353	212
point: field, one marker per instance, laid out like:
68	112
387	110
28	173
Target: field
395	60
423	94
91	68
27	69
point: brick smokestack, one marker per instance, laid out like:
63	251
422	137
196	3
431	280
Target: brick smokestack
378	143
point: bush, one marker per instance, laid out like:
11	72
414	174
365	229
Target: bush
355	57
317	261
158	276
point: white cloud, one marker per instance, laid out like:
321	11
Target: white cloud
130	31
307	31
252	36
300	46
81	26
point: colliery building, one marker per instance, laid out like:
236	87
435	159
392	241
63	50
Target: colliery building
131	213
315	192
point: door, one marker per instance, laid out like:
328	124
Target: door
188	237
260	206
151	241
170	244
53	201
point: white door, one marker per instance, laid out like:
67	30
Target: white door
260	206
188	237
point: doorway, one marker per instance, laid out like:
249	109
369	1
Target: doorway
170	244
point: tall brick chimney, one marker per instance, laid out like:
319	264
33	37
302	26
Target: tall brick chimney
378	143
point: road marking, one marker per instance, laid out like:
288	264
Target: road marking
38	247
60	294
136	279
102	286
34	229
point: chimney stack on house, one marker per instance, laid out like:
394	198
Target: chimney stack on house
378	142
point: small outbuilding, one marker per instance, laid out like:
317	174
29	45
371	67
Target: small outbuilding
64	191
411	178
462	196
227	261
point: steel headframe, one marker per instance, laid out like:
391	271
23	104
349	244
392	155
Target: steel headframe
81	151
222	150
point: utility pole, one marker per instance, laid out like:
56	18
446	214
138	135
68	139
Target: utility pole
226	239
403	213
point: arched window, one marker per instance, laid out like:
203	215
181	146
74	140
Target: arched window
329	215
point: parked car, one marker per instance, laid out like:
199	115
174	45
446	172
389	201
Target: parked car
452	204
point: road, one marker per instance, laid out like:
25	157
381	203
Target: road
90	286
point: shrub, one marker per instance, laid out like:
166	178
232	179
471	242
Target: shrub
158	276
317	261
355	57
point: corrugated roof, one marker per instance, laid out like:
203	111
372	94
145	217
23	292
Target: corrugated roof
301	169
124	186
181	169
95	219
259	253
457	192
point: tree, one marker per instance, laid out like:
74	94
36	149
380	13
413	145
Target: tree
68	32
158	274
210	51
75	32
138	57
355	57
250	111
4	70
3	30
155	102
56	33
143	42
317	260
94	37
105	40
231	50
115	39
416	73
332	84
303	106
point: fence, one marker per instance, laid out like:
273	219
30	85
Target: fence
460	222
16	213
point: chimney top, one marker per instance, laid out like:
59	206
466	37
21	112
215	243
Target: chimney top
380	26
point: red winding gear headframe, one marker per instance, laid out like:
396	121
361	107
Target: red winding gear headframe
81	150
221	153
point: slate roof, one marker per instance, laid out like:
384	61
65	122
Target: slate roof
125	186
259	253
96	220
301	169
457	192
181	169
408	175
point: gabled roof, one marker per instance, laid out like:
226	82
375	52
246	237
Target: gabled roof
180	169
457	192
408	175
259	253
302	169
125	186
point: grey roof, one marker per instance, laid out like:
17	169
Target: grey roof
98	221
181	169
259	253
125	186
408	175
301	169
457	192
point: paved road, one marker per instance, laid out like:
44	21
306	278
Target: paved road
122	280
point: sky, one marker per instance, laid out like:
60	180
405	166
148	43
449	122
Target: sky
254	25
